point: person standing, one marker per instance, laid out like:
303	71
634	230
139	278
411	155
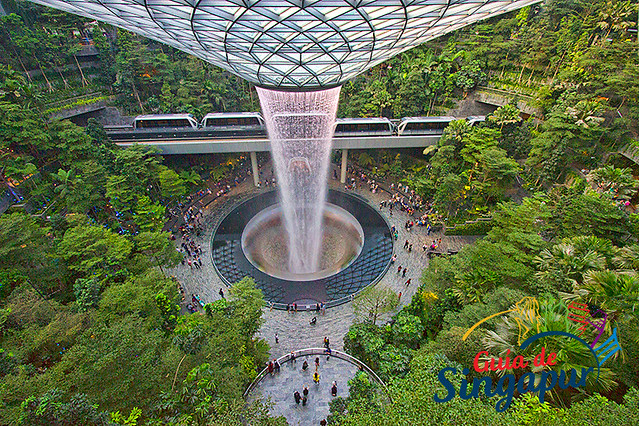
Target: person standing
404	273
297	397
277	339
399	269
334	389
316	377
221	292
270	367
316	363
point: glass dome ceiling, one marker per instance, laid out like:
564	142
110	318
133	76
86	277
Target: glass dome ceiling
290	44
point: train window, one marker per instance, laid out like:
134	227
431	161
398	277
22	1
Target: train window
232	121
378	127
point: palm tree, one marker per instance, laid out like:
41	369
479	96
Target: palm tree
65	178
614	181
571	354
507	114
365	159
191	177
454	133
586	114
616	16
565	260
628	258
616	293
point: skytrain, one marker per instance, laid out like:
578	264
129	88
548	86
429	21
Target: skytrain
251	124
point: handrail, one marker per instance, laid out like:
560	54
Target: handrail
505	92
320	351
70	100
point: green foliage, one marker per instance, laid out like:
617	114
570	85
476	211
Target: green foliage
413	401
157	246
245	306
480	227
74	104
131	420
120	365
168	310
374	301
49	410
87	293
407	330
149	216
217	306
93	249
588	213
171	184
190	334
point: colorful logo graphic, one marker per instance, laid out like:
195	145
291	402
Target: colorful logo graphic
526	315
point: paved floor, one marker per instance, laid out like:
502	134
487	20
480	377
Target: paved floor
294	330
279	388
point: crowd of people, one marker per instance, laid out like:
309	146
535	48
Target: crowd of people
304	396
190	250
319	308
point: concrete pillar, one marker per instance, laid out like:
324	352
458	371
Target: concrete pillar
254	169
342	177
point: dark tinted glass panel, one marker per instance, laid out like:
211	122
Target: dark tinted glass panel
232	121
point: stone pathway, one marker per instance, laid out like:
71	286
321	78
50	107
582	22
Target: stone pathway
294	330
279	388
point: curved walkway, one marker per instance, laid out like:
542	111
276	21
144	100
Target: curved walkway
280	386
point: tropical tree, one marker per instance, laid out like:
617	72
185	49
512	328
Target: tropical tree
364	159
564	263
505	115
616	293
616	16
552	315
628	258
614	182
171	184
190	177
374	301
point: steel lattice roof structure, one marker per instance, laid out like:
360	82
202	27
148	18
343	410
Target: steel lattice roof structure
290	44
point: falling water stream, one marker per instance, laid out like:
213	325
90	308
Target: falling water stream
300	129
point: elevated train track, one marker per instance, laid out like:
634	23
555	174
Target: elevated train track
208	144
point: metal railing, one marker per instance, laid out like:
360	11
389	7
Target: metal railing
321	351
505	93
71	100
